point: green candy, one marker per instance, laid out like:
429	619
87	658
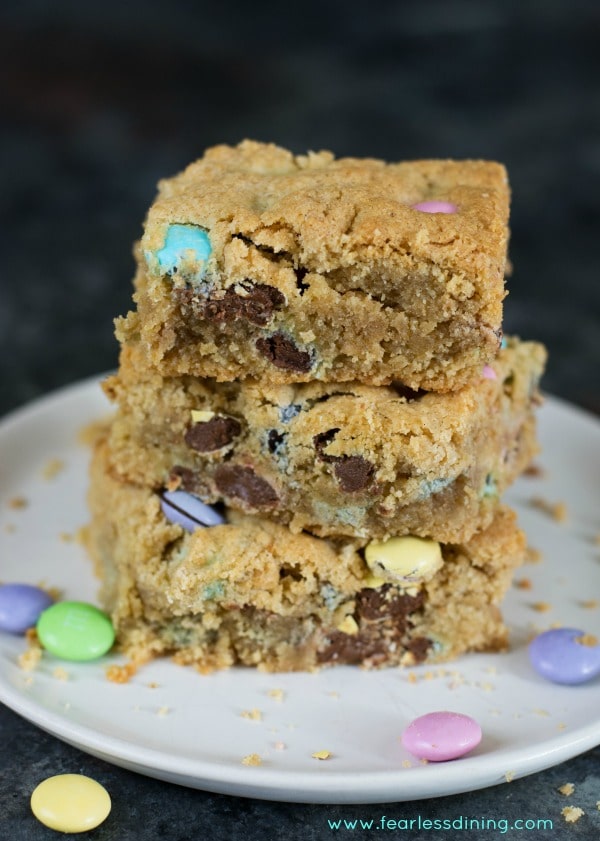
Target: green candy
75	631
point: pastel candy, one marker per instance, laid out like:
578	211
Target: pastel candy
440	736
489	373
404	559
75	631
187	511
70	803
21	606
565	655
435	207
186	250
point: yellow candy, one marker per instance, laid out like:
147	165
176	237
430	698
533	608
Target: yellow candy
70	803
201	415
404	560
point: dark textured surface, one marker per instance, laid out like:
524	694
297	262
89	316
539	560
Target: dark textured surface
100	100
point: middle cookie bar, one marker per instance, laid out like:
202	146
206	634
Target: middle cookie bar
333	459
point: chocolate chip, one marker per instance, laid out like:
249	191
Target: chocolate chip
385	602
182	478
213	434
243	483
383	617
275	439
256	304
283	353
323	440
354	473
261	301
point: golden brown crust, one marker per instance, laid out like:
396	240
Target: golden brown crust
371	289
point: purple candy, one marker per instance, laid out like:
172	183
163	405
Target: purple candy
440	736
188	511
558	656
435	207
21	606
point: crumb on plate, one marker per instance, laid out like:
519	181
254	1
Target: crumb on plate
321	754
556	510
52	468
567	789
120	674
571	814
252	759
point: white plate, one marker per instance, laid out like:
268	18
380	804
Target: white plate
171	723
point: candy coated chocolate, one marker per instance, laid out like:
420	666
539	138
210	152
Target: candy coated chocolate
565	655
21	606
186	249
187	511
435	207
440	736
70	803
75	631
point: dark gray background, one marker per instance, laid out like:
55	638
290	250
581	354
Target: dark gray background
99	100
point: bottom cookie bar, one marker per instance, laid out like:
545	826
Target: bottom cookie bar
251	592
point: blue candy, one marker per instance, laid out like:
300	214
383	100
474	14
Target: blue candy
186	250
21	606
565	655
188	511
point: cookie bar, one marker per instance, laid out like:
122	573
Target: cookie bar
252	592
255	263
333	459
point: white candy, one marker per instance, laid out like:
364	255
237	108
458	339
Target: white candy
404	560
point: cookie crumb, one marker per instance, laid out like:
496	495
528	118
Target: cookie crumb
321	754
153	685
162	712
66	537
589	604
571	814
587	639
523	583
406	763
276	694
18	502
556	510
120	674
532	556
534	471
541	607
280	746
561	726
60	674
509	776
29	660
252	759
567	789
52	468
10	528
253	715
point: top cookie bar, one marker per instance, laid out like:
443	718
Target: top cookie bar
256	263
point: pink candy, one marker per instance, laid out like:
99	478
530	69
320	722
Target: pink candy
435	207
440	736
489	373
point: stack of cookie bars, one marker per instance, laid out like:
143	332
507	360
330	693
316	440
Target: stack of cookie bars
317	416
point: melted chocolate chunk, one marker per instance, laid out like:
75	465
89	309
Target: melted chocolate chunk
213	434
243	483
383	616
283	353
256	306
383	603
323	440
182	478
354	473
